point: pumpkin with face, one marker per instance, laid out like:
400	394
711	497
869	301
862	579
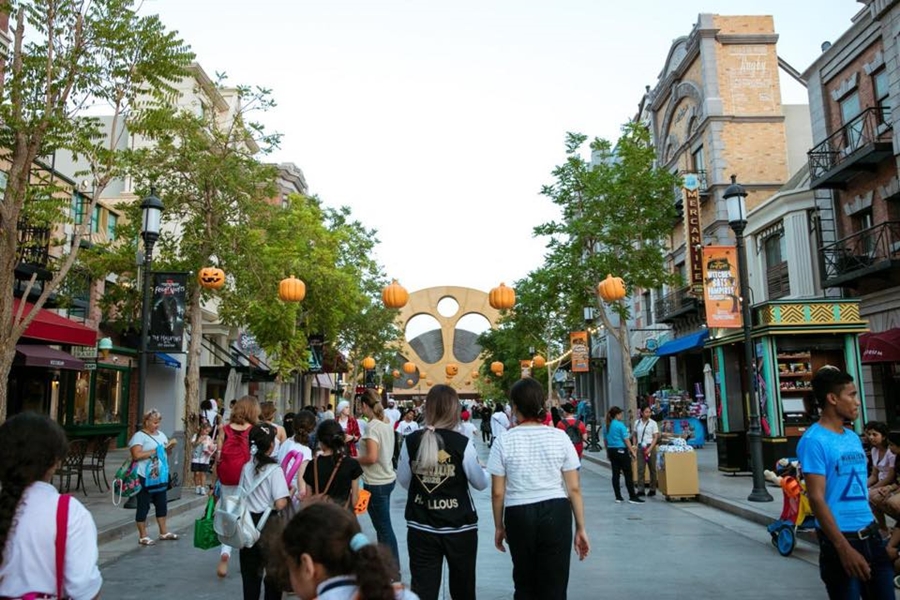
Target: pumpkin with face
452	369
211	278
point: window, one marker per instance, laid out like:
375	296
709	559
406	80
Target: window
882	95
865	243
648	309
849	111
681	271
777	279
95	219
699	162
78	207
112	220
100	397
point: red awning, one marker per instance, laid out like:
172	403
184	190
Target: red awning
48	326
880	347
45	356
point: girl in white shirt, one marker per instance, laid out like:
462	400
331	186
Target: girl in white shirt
31	448
303	424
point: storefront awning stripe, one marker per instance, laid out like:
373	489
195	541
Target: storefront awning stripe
48	326
880	347
45	356
685	342
646	365
169	361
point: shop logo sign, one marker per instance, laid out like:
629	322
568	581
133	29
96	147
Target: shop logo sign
580	353
693	232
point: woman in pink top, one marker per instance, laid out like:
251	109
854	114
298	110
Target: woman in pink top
882	480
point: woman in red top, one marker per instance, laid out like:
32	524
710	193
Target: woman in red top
349	425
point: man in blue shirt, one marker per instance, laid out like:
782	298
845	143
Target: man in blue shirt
853	562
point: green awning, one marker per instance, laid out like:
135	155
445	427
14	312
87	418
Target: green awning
646	365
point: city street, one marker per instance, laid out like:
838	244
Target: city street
666	550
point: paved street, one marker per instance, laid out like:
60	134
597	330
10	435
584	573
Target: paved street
682	550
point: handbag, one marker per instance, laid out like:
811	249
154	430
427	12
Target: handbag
126	481
362	504
205	536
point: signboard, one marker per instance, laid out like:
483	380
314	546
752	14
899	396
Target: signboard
721	287
316	342
168	298
84	352
652	344
693	232
580	352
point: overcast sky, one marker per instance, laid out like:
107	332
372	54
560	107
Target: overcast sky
438	122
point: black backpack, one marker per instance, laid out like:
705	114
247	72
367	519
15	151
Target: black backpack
573	432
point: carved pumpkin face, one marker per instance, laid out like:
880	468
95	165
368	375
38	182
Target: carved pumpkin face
211	278
452	369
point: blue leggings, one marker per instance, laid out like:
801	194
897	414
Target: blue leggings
145	497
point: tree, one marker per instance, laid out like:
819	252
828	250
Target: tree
616	211
67	58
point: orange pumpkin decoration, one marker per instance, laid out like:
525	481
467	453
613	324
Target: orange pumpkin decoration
452	369
611	289
409	383
394	295
395	373
368	363
409	367
497	367
538	361
429	383
475	374
292	289
211	278
502	297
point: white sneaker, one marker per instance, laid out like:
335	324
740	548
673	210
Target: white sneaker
198	490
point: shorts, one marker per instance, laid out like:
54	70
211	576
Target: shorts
200	467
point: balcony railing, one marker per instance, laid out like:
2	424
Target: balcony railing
867	252
857	146
675	304
778	282
33	253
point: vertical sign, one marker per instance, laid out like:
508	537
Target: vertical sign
720	292
693	232
168	298
580	352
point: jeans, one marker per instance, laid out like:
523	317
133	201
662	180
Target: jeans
621	465
380	513
144	498
427	552
840	586
540	544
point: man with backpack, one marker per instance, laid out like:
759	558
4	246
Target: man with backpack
573	427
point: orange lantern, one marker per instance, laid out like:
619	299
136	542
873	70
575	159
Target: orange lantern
497	367
409	382
475	374
395	373
429	383
211	278
409	367
368	363
538	361
292	289
452	369
502	297
394	295
611	289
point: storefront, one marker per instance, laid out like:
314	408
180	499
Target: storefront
881	353
792	339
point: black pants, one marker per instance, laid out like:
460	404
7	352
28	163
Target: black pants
144	497
253	567
621	465
540	543
427	552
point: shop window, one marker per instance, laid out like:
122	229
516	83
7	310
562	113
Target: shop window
882	95
850	109
647	308
111	221
100	397
777	279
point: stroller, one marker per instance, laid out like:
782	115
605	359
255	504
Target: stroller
796	514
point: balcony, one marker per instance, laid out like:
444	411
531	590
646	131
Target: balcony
33	252
676	304
871	253
859	146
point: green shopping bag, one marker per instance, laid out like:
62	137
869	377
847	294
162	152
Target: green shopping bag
204	535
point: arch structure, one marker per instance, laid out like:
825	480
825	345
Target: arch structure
432	350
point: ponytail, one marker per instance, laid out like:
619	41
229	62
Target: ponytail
441	412
303	424
612	414
370	565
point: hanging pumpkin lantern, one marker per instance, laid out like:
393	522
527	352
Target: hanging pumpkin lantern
502	297
468	382
292	289
429	383
394	295
211	278
452	369
497	367
611	289
538	361
409	383
368	363
475	374
409	367
395	373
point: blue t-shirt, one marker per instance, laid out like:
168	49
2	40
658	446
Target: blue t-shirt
615	436
841	460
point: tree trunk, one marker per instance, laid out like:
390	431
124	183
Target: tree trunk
192	377
7	354
620	334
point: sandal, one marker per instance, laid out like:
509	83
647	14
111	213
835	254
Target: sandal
145	541
169	536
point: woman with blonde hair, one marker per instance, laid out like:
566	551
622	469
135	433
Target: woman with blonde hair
437	465
149	447
378	469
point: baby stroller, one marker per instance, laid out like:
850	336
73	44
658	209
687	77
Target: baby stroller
796	515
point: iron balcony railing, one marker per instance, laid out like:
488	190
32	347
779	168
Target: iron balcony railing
871	126
33	245
876	246
675	303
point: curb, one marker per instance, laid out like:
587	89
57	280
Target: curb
126	527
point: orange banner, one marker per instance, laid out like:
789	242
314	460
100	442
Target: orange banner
580	353
721	287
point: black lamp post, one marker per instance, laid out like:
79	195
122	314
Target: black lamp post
593	444
152	208
737	219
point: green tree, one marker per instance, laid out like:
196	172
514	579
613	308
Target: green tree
67	58
616	211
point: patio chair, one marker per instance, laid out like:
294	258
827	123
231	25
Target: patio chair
73	464
97	464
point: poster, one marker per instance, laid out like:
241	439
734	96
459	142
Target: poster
168	298
721	287
580	354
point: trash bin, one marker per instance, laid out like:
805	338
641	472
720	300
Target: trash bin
731	447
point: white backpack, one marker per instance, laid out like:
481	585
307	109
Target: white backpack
232	521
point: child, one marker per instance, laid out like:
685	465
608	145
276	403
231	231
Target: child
302	424
334	458
329	558
204	448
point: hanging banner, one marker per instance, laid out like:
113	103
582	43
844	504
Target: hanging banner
693	232
168	299
580	354
721	292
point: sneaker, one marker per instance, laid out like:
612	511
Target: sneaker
197	490
619	501
635	500
651	493
641	493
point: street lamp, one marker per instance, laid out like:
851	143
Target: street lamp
593	444
737	219
151	208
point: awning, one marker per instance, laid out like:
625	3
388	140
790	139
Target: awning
48	326
646	365
880	347
685	342
45	356
169	361
323	380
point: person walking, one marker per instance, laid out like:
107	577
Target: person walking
437	465
378	470
574	429
499	423
350	425
620	452
149	447
32	447
334	473
646	438
267	412
295	453
486	424
853	561
535	492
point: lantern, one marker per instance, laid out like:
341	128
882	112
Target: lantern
394	295
468	382
429	383
292	289
452	369
211	278
409	383
497	367
409	367
538	361
368	363
502	297
475	374
611	288
395	373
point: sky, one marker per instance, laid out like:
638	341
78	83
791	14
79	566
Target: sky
438	122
